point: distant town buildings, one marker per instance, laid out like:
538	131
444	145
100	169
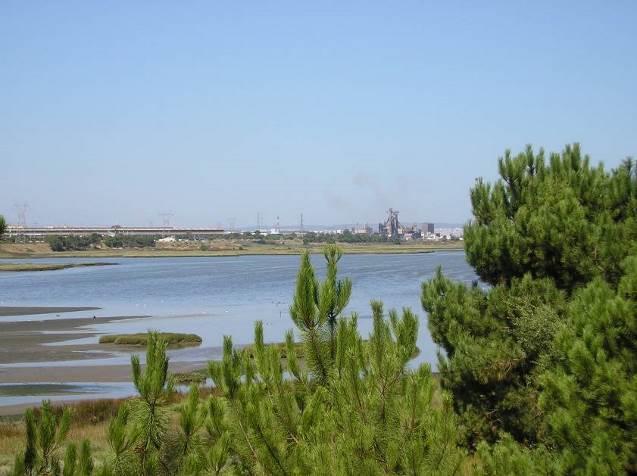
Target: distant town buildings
362	230
391	229
427	228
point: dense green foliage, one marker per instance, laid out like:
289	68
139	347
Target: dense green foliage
73	243
564	219
590	396
316	308
345	237
129	241
46	433
495	343
3	226
153	385
371	415
545	357
80	243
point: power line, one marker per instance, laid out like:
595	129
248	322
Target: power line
22	209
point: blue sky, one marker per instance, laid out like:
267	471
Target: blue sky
111	112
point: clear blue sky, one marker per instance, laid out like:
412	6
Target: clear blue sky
111	112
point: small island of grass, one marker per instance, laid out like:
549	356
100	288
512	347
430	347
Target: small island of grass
172	338
46	266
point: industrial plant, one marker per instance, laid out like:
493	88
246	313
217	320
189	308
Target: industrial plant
391	228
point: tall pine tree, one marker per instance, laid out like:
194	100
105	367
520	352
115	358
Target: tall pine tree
544	230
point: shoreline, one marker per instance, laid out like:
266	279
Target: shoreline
25	267
282	250
14	311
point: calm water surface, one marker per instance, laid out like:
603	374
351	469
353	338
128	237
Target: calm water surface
217	296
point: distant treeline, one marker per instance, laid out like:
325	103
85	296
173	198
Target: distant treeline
79	243
130	241
73	243
345	237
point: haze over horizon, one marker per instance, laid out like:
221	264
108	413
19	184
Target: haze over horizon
113	113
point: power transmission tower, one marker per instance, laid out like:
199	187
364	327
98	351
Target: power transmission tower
22	209
166	216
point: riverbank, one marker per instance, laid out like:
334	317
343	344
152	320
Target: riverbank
19	267
225	248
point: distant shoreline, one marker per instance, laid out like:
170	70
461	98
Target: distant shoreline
35	310
23	267
239	250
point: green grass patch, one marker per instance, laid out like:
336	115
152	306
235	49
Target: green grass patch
141	339
46	266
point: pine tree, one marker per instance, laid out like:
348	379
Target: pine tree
316	308
364	411
541	232
148	411
122	436
45	435
496	342
590	396
507	457
564	219
70	460
334	293
78	465
189	442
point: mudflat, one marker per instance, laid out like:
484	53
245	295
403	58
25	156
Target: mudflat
34	310
26	342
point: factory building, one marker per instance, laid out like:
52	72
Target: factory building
427	229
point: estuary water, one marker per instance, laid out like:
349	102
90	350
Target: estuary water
217	296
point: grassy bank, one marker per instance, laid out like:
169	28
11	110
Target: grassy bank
46	266
229	248
174	339
89	420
